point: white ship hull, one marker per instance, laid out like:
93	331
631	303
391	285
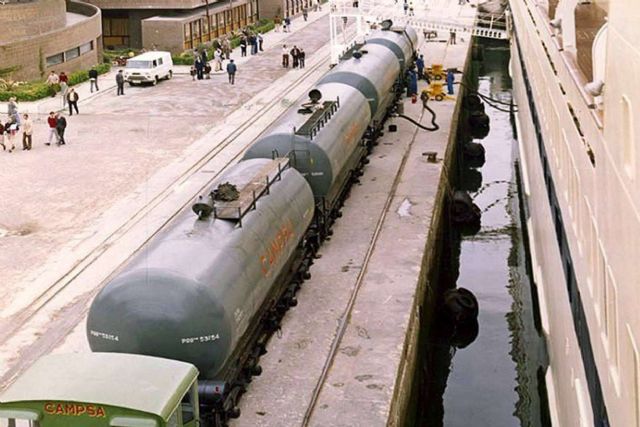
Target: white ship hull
582	200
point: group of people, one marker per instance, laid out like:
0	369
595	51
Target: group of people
68	94
297	55
252	40
10	129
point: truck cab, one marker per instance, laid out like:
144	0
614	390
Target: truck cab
103	390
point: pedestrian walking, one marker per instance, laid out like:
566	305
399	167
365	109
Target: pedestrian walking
260	41
295	52
226	48
450	80
64	91
285	56
10	130
305	13
52	121
231	70
4	147
63	78
278	23
301	57
452	37
12	110
411	9
199	67
243	46
203	56
217	59
52	81
93	79
61	126
72	98
405	7
27	133
120	83
287	24
420	66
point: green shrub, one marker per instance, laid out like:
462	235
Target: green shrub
38	89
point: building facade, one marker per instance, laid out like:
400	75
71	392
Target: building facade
173	25
39	36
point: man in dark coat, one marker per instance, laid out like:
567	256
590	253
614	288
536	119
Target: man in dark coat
120	83
231	70
295	53
93	78
61	125
199	67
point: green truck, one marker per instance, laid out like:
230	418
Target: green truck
103	390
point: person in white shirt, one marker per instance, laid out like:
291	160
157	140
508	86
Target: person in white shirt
27	132
52	81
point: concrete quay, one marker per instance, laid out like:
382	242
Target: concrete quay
346	353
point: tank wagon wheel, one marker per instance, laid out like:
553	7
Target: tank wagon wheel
437	77
439	98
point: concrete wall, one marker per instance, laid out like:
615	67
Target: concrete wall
19	20
29	53
147	4
167	35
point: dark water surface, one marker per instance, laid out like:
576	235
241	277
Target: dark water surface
496	379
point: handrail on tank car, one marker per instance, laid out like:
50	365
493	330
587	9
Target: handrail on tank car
283	164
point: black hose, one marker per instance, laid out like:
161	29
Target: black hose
434	127
488	99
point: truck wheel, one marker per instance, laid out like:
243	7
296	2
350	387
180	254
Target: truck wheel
155	81
131	83
170	75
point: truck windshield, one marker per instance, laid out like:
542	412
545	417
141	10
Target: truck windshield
138	64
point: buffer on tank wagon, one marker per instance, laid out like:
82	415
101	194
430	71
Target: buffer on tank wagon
100	390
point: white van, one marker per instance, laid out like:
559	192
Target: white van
149	67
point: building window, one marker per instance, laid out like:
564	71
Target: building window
87	47
628	138
72	54
55	60
115	32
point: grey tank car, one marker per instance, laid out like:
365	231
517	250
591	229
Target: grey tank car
192	292
325	138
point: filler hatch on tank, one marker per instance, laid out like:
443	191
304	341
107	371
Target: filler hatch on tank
320	116
247	194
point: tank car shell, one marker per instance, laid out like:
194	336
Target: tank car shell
374	75
401	43
323	160
193	290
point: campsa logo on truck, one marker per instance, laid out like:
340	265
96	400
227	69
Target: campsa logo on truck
74	409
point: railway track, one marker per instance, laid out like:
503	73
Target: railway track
237	140
345	316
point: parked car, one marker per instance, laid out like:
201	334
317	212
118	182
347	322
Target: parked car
149	67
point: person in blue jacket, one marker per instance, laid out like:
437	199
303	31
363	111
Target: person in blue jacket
420	65
450	79
412	82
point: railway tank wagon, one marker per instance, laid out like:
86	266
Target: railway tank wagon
327	140
195	289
